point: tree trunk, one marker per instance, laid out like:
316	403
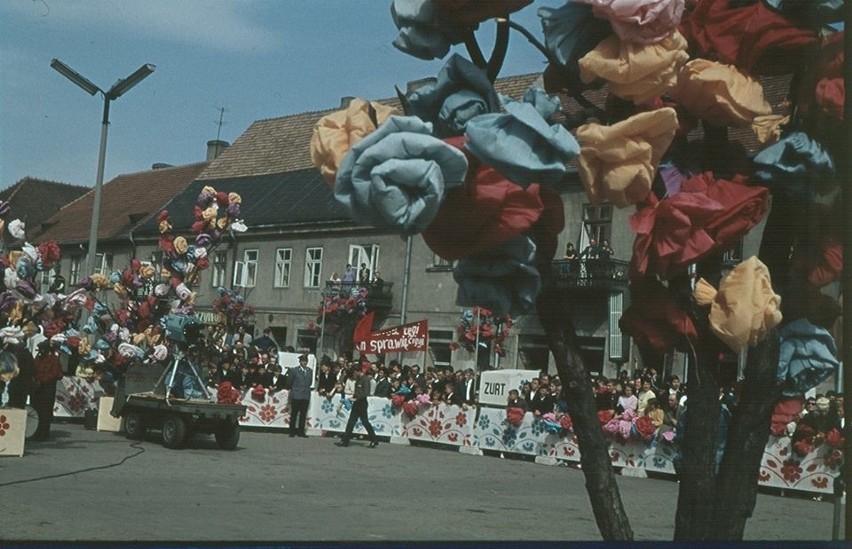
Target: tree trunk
601	485
736	493
698	467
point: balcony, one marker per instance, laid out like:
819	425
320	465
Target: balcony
379	294
591	273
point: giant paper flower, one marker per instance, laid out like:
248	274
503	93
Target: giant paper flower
503	211
503	279
655	319
639	21
745	308
748	35
793	164
335	133
807	356
705	216
719	94
619	162
396	176
570	32
422	33
521	144
472	12
461	92
636	72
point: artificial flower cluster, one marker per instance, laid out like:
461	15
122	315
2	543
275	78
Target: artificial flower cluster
482	325
807	439
343	308
232	308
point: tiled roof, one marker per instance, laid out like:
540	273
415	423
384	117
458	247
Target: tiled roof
34	200
279	145
286	199
126	202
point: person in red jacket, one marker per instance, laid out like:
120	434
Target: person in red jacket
47	372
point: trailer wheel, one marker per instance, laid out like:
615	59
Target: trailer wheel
134	425
228	435
174	431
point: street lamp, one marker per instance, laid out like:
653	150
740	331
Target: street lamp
122	86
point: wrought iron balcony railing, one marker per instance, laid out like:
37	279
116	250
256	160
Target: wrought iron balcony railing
379	294
584	273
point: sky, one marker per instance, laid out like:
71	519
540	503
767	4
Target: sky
256	59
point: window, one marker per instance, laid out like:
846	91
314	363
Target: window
313	267
44	279
619	348
103	264
218	268
245	271
439	347
439	264
76	263
367	254
733	256
597	224
307	339
283	263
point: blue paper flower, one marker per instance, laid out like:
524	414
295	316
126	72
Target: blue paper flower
807	356
793	163
503	279
461	92
570	32
521	145
396	176
421	34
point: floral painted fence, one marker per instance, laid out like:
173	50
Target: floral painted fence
488	429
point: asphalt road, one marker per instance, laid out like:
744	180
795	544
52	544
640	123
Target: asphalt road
95	486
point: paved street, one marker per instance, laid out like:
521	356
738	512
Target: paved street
275	488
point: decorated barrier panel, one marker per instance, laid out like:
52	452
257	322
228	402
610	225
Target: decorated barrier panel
13	427
780	466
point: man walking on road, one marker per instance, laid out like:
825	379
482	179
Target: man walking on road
359	410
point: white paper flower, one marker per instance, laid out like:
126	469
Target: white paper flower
29	250
160	353
200	252
18	229
182	291
161	289
10	278
239	226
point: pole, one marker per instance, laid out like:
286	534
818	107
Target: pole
99	184
406	278
322	328
476	345
846	281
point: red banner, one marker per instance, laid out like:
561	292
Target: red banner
399	339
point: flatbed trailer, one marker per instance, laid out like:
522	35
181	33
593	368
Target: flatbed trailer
177	418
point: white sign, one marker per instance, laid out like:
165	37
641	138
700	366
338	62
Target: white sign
494	385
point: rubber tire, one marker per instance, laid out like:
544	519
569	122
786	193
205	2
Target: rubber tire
228	436
134	425
174	431
32	421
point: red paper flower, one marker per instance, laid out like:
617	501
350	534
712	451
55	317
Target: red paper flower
398	400
604	416
163	216
645	428
410	408
515	415
49	252
566	423
803	447
655	319
834	438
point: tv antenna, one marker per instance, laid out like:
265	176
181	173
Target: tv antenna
220	122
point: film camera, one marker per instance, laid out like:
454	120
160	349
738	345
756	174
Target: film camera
183	329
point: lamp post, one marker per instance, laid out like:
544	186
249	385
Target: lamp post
117	90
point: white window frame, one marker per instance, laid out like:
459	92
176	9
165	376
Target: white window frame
617	340
219	269
313	266
283	267
439	345
367	253
76	264
245	271
103	264
597	224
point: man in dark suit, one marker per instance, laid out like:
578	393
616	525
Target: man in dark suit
542	402
515	401
383	384
467	387
359	409
451	396
277	381
300	379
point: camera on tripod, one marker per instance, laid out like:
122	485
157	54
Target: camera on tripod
184	330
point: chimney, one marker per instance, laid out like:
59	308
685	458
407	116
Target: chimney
215	148
416	84
345	101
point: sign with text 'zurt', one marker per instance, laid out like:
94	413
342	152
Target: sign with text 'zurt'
494	385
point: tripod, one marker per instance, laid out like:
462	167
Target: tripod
171	372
